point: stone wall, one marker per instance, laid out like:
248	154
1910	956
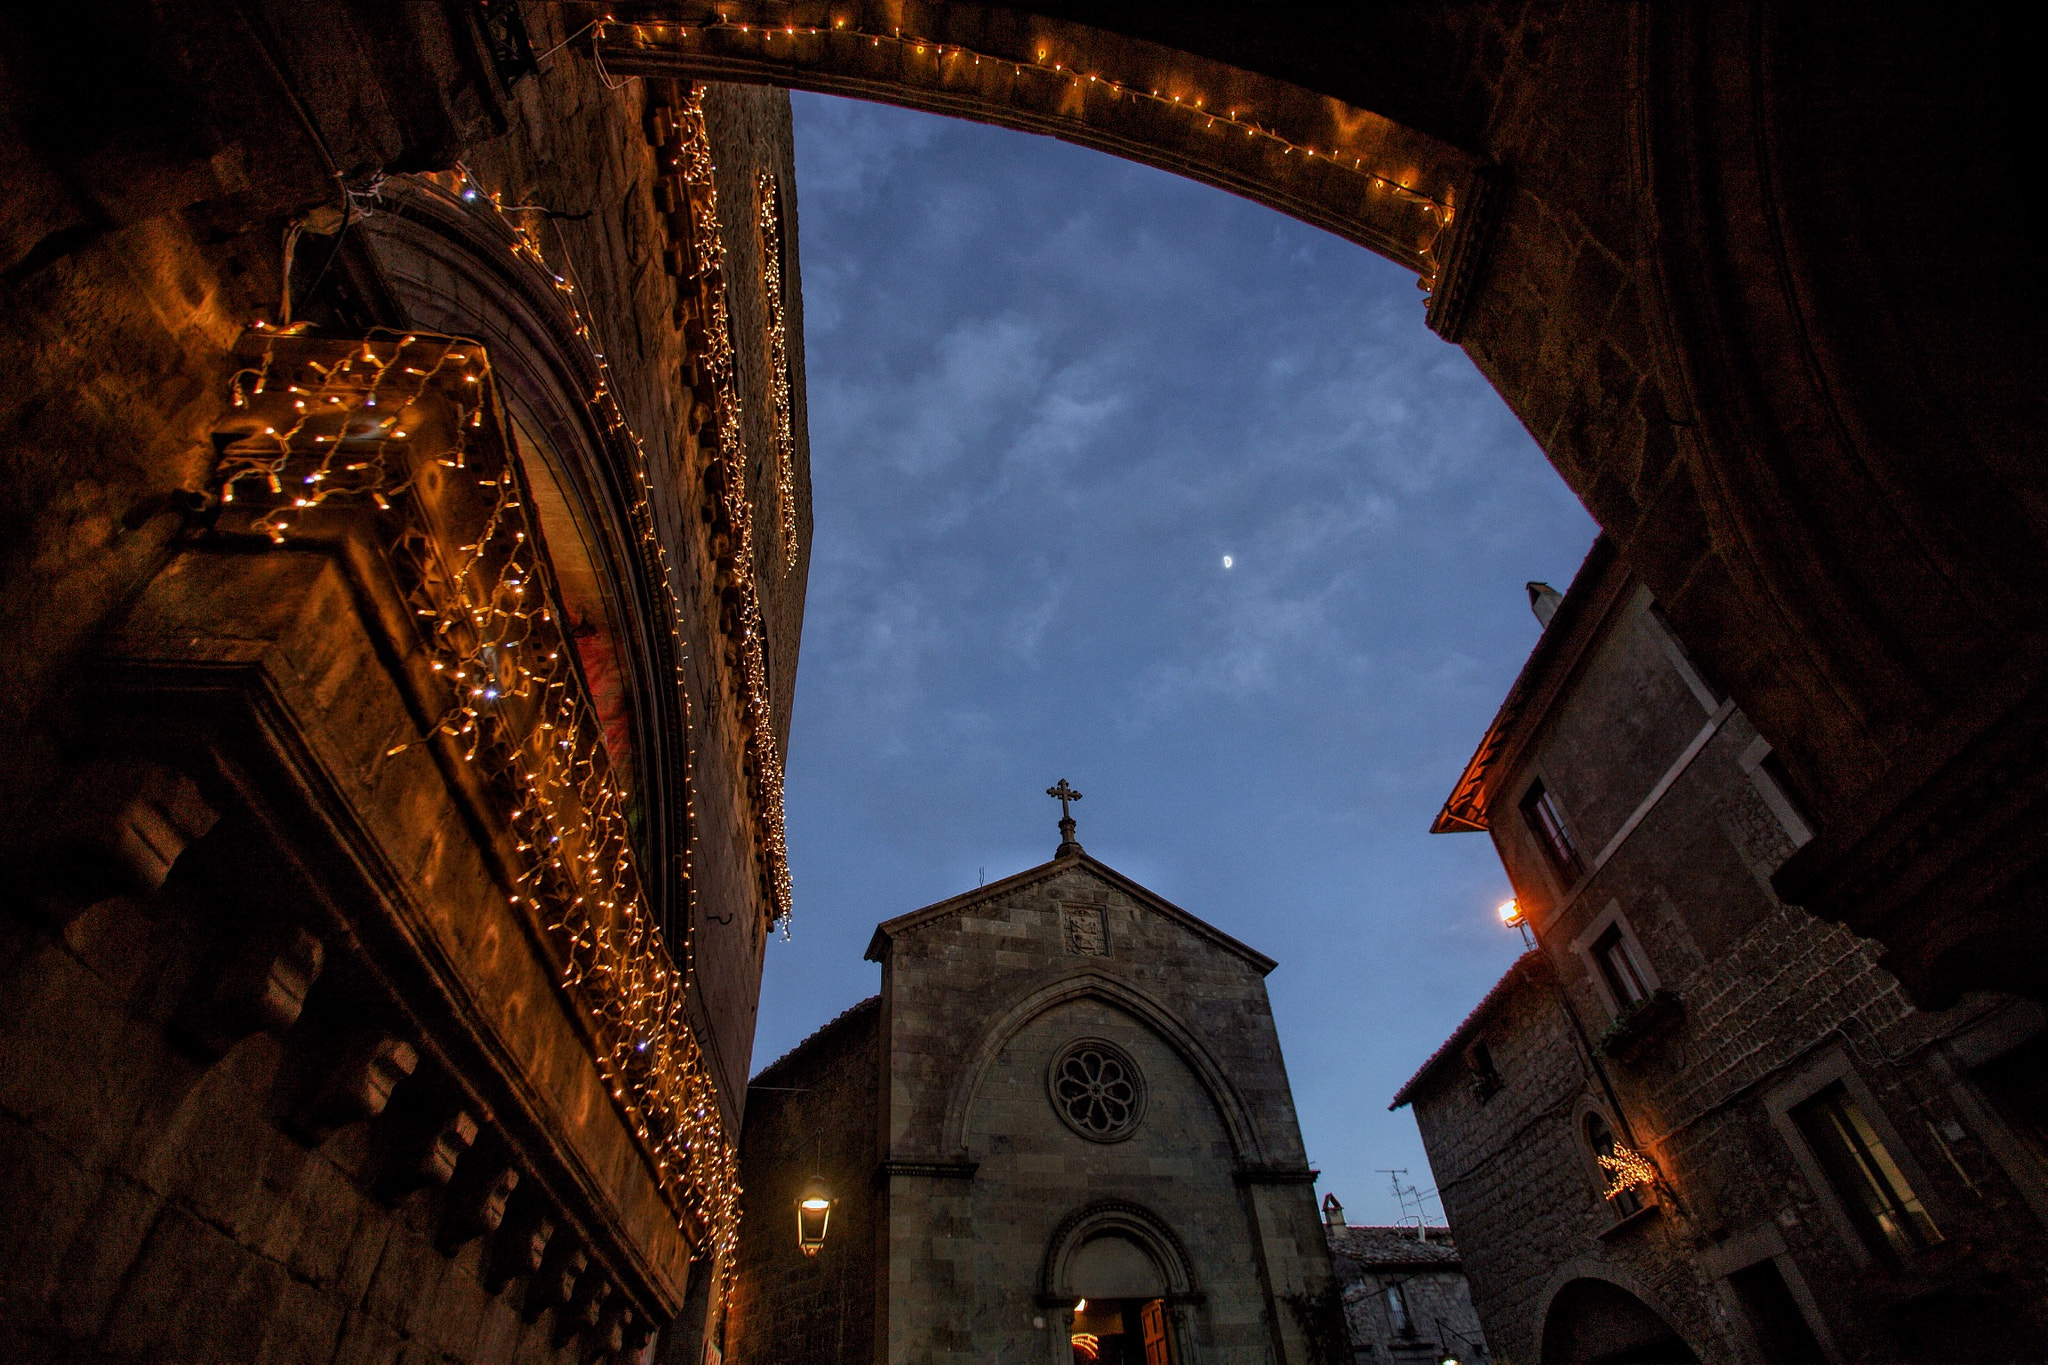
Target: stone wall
811	1113
981	993
289	1074
1679	828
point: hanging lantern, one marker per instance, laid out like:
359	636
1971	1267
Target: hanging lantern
813	1212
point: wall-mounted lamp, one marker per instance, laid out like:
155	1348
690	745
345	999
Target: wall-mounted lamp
1512	915
813	1212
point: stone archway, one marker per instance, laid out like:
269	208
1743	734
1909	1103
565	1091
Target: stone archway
1691	250
1760	282
1596	1322
1412	197
1120	1251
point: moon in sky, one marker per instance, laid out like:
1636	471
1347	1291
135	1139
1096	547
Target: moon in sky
1227	561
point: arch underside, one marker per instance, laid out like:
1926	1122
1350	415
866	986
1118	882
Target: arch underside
1593	1321
1398	192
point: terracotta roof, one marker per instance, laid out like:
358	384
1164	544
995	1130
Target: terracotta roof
1393	1246
839	1021
1548	663
1522	967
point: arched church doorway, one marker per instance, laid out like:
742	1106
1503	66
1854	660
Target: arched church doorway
1593	1322
1124	1288
1120	1317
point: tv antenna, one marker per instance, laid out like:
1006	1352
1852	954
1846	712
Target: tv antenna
1414	1203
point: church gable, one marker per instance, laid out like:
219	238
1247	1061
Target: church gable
1087	1077
1071	908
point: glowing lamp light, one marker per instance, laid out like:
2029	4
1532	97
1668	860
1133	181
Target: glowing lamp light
1511	914
813	1212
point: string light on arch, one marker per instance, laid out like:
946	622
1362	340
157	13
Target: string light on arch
1440	209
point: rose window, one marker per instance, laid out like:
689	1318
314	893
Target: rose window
1097	1089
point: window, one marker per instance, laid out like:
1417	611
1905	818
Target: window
1542	814
1600	1138
1097	1089
1397	1310
1479	1066
1868	1181
1624	976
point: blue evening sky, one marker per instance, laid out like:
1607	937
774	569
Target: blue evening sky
1049	392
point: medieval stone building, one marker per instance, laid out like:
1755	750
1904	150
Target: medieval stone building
1406	1299
405	570
1694	1122
1062	1133
403	525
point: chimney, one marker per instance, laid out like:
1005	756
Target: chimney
1333	1212
1543	600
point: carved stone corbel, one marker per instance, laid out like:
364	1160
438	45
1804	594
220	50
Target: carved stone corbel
260	987
356	1087
432	1161
585	1310
476	1202
520	1247
636	1331
119	827
607	1340
554	1284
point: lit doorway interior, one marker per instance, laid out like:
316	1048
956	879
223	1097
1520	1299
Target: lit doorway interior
1121	1332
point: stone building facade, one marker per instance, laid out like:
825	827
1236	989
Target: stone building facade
1063	1132
1406	1299
1830	1172
402	611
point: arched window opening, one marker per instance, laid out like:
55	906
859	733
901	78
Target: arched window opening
591	617
1600	1139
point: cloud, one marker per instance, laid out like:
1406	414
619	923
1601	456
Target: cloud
1047	391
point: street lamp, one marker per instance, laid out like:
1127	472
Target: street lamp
813	1212
1512	915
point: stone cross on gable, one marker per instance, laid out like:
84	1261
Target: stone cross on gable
1065	795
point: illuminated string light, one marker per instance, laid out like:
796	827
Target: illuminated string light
768	214
1440	210
1626	1169
515	704
698	170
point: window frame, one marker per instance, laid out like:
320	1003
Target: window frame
1790	1094
1584	946
1755	761
1761	1244
1552	834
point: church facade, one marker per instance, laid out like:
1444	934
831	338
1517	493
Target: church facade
1063	1132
